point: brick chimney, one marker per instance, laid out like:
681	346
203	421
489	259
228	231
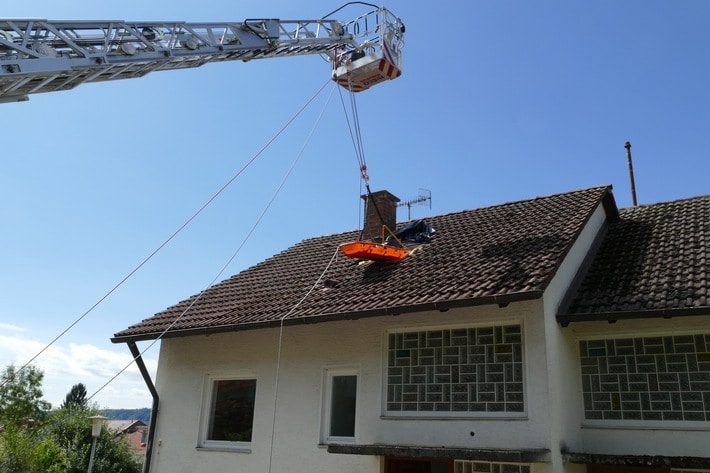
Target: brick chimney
380	208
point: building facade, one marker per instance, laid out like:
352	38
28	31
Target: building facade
516	338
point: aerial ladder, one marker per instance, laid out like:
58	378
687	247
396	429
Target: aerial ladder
47	56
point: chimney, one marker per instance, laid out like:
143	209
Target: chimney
380	208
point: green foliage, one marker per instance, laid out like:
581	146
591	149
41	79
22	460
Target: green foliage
24	452
34	439
76	397
73	436
21	400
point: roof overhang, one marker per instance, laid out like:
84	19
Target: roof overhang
611	317
531	455
500	300
697	463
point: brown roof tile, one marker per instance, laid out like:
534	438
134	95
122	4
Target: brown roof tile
653	261
495	254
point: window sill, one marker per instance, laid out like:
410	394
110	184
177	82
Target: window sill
648	425
337	440
477	417
224	448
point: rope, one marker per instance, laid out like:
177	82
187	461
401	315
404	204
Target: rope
278	354
173	235
49	429
356	138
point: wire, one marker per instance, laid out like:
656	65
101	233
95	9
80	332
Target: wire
173	235
356	138
49	429
278	354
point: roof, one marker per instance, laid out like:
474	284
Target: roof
652	262
124	425
496	254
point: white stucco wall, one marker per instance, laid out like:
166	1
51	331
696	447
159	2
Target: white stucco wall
562	361
554	416
570	431
306	352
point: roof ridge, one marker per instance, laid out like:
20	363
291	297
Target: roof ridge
665	202
607	187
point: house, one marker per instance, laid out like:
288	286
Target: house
556	334
133	431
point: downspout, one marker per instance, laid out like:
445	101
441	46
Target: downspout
154	411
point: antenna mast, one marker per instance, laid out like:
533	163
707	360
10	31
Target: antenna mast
424	196
631	172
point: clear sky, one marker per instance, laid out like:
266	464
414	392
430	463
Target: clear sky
499	101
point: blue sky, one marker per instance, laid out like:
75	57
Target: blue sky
498	101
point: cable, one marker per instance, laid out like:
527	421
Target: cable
362	166
49	429
173	235
356	138
278	354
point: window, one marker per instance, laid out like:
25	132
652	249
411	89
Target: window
468	466
456	372
341	405
662	379
230	412
418	465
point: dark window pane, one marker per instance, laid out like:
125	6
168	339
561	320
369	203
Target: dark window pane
342	407
232	413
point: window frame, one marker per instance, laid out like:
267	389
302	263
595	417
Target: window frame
206	412
328	376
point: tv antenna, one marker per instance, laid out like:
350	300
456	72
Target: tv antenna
424	196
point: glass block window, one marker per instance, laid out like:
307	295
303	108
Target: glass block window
664	378
459	370
463	466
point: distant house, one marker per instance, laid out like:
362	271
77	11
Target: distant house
133	431
556	334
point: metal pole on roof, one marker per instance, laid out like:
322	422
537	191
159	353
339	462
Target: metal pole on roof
631	172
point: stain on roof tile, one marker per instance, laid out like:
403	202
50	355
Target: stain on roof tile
498	253
653	259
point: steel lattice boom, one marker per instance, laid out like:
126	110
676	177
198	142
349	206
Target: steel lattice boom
45	56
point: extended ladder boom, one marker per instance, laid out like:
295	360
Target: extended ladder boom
45	56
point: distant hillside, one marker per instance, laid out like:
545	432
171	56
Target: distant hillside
128	414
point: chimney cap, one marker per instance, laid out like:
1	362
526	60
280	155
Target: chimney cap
381	194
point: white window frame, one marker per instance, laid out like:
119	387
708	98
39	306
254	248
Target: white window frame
206	412
328	376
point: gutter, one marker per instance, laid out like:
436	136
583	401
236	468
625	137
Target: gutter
156	401
613	317
501	300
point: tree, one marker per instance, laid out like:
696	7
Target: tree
34	439
26	450
73	437
23	449
21	394
75	398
